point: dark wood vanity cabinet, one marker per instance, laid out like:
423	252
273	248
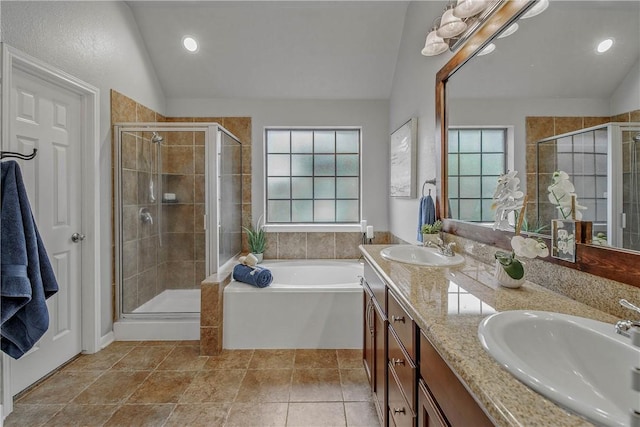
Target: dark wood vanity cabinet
411	383
375	338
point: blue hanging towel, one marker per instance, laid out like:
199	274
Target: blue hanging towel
426	213
256	276
27	276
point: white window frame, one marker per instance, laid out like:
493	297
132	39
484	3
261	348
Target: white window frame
310	227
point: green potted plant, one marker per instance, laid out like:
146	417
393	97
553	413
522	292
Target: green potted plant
257	240
430	231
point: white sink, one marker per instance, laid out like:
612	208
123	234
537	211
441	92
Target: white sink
580	364
420	255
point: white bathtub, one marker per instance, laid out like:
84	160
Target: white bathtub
310	304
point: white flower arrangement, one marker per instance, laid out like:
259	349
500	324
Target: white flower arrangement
562	193
508	198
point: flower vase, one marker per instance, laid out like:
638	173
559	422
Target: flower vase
258	257
505	280
429	238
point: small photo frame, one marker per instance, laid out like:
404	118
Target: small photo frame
402	163
564	234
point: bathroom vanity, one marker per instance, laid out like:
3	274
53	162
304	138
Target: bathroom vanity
425	363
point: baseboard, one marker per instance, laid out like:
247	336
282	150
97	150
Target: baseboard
107	339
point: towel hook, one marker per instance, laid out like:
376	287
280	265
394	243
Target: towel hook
429	181
13	154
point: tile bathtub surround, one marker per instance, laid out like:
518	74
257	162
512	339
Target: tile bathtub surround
314	245
167	383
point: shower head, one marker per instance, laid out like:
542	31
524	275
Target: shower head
156	138
636	137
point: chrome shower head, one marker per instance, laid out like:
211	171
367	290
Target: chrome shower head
156	138
636	137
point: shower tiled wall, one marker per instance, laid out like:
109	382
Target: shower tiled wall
538	128
179	262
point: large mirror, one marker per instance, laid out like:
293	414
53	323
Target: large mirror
544	80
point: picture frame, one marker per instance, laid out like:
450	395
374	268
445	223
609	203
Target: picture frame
564	235
402	160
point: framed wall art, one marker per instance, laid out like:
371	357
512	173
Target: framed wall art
402	167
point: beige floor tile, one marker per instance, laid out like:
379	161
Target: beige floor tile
112	387
188	342
158	343
355	385
361	414
316	414
230	359
61	387
140	415
184	358
102	360
199	415
257	414
265	385
143	358
349	359
82	415
316	359
272	359
31	415
316	385
214	386
162	387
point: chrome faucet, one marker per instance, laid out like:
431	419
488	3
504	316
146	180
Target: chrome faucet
444	249
623	327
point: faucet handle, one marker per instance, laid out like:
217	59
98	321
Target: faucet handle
627	304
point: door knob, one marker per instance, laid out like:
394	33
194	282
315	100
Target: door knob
77	237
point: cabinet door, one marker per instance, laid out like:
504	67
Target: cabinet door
381	364
368	348
428	413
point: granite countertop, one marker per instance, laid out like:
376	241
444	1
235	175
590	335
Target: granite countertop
448	305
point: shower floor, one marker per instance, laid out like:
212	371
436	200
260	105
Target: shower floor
173	301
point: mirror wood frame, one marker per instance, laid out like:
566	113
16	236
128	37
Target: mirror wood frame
611	263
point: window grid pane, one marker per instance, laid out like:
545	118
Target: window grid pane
303	184
476	158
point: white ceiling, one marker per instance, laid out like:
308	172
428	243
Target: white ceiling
348	49
265	49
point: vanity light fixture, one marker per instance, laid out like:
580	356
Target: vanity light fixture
537	9
450	25
487	49
604	45
510	30
190	44
469	8
434	45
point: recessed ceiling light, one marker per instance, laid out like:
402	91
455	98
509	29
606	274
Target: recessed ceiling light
190	44
604	45
487	49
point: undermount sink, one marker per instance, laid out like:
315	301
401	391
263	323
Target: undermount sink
420	255
581	364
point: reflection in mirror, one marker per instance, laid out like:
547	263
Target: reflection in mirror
540	83
603	165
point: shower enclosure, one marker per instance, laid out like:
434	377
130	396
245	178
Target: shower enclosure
178	210
602	162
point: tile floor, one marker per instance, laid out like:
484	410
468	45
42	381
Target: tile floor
167	383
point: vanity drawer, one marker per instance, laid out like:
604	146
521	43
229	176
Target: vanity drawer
399	410
403	368
403	325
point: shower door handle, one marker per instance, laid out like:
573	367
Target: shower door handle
77	237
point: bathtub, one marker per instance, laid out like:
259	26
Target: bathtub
310	304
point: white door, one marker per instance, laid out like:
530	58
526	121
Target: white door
48	117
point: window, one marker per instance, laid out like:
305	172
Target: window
312	175
477	157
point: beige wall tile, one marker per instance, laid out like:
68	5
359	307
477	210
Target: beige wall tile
123	109
568	124
144	114
292	245
321	245
634	116
178	159
621	117
539	128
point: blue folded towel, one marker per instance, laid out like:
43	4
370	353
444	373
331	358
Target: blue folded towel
27	276
256	276
426	213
